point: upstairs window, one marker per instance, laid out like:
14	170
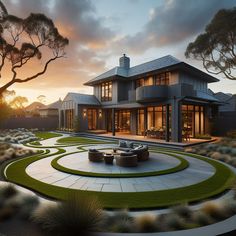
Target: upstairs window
162	79
106	91
159	79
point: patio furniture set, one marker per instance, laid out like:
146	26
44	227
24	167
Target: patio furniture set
126	154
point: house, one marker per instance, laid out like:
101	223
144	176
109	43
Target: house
33	109
51	109
165	97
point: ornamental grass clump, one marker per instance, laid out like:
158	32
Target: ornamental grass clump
182	210
214	210
174	222
120	222
146	223
77	215
201	218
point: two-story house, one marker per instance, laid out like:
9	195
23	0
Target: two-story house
165	97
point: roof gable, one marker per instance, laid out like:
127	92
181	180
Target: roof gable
82	99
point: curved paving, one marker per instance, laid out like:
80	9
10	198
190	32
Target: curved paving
79	161
197	171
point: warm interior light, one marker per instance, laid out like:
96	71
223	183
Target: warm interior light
84	112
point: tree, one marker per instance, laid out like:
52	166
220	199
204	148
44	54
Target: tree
216	47
23	41
18	102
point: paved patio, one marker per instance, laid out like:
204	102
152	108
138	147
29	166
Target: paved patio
197	171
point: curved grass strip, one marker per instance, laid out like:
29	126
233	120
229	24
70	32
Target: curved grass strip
81	140
46	135
216	184
183	165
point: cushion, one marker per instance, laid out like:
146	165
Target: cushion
122	143
138	147
93	150
127	154
130	144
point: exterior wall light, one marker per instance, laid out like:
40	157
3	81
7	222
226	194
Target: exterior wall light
84	112
100	113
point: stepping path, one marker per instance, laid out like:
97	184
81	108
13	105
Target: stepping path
42	170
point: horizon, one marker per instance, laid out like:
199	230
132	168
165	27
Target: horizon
100	32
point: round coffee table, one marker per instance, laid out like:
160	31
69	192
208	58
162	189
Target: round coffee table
108	158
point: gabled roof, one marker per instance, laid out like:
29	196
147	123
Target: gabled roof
223	97
139	69
82	99
157	64
54	105
34	106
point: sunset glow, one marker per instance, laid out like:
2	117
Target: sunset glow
100	31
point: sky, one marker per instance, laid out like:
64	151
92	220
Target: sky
101	31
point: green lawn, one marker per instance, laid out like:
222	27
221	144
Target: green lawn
183	164
220	181
80	140
47	135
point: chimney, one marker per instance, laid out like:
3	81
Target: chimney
124	62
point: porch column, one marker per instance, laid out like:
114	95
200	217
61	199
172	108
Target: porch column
113	128
176	120
145	119
167	123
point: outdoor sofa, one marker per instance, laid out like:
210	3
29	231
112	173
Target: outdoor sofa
140	150
95	156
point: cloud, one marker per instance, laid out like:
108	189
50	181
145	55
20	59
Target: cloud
76	20
172	23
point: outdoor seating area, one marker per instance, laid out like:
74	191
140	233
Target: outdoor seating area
126	154
158	133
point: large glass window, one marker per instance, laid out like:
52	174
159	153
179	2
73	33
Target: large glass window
106	91
141	126
162	79
156	117
159	79
193	120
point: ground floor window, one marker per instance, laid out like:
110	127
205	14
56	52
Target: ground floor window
193	120
92	118
69	118
156	117
141	122
122	120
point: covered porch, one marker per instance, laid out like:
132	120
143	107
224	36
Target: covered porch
140	138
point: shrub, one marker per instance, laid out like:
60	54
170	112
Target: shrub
225	158
122	226
120	221
182	210
203	136
79	216
215	155
146	223
231	134
174	222
8	191
214	210
201	218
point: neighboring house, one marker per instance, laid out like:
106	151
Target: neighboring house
51	109
33	109
165	95
228	102
224	122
